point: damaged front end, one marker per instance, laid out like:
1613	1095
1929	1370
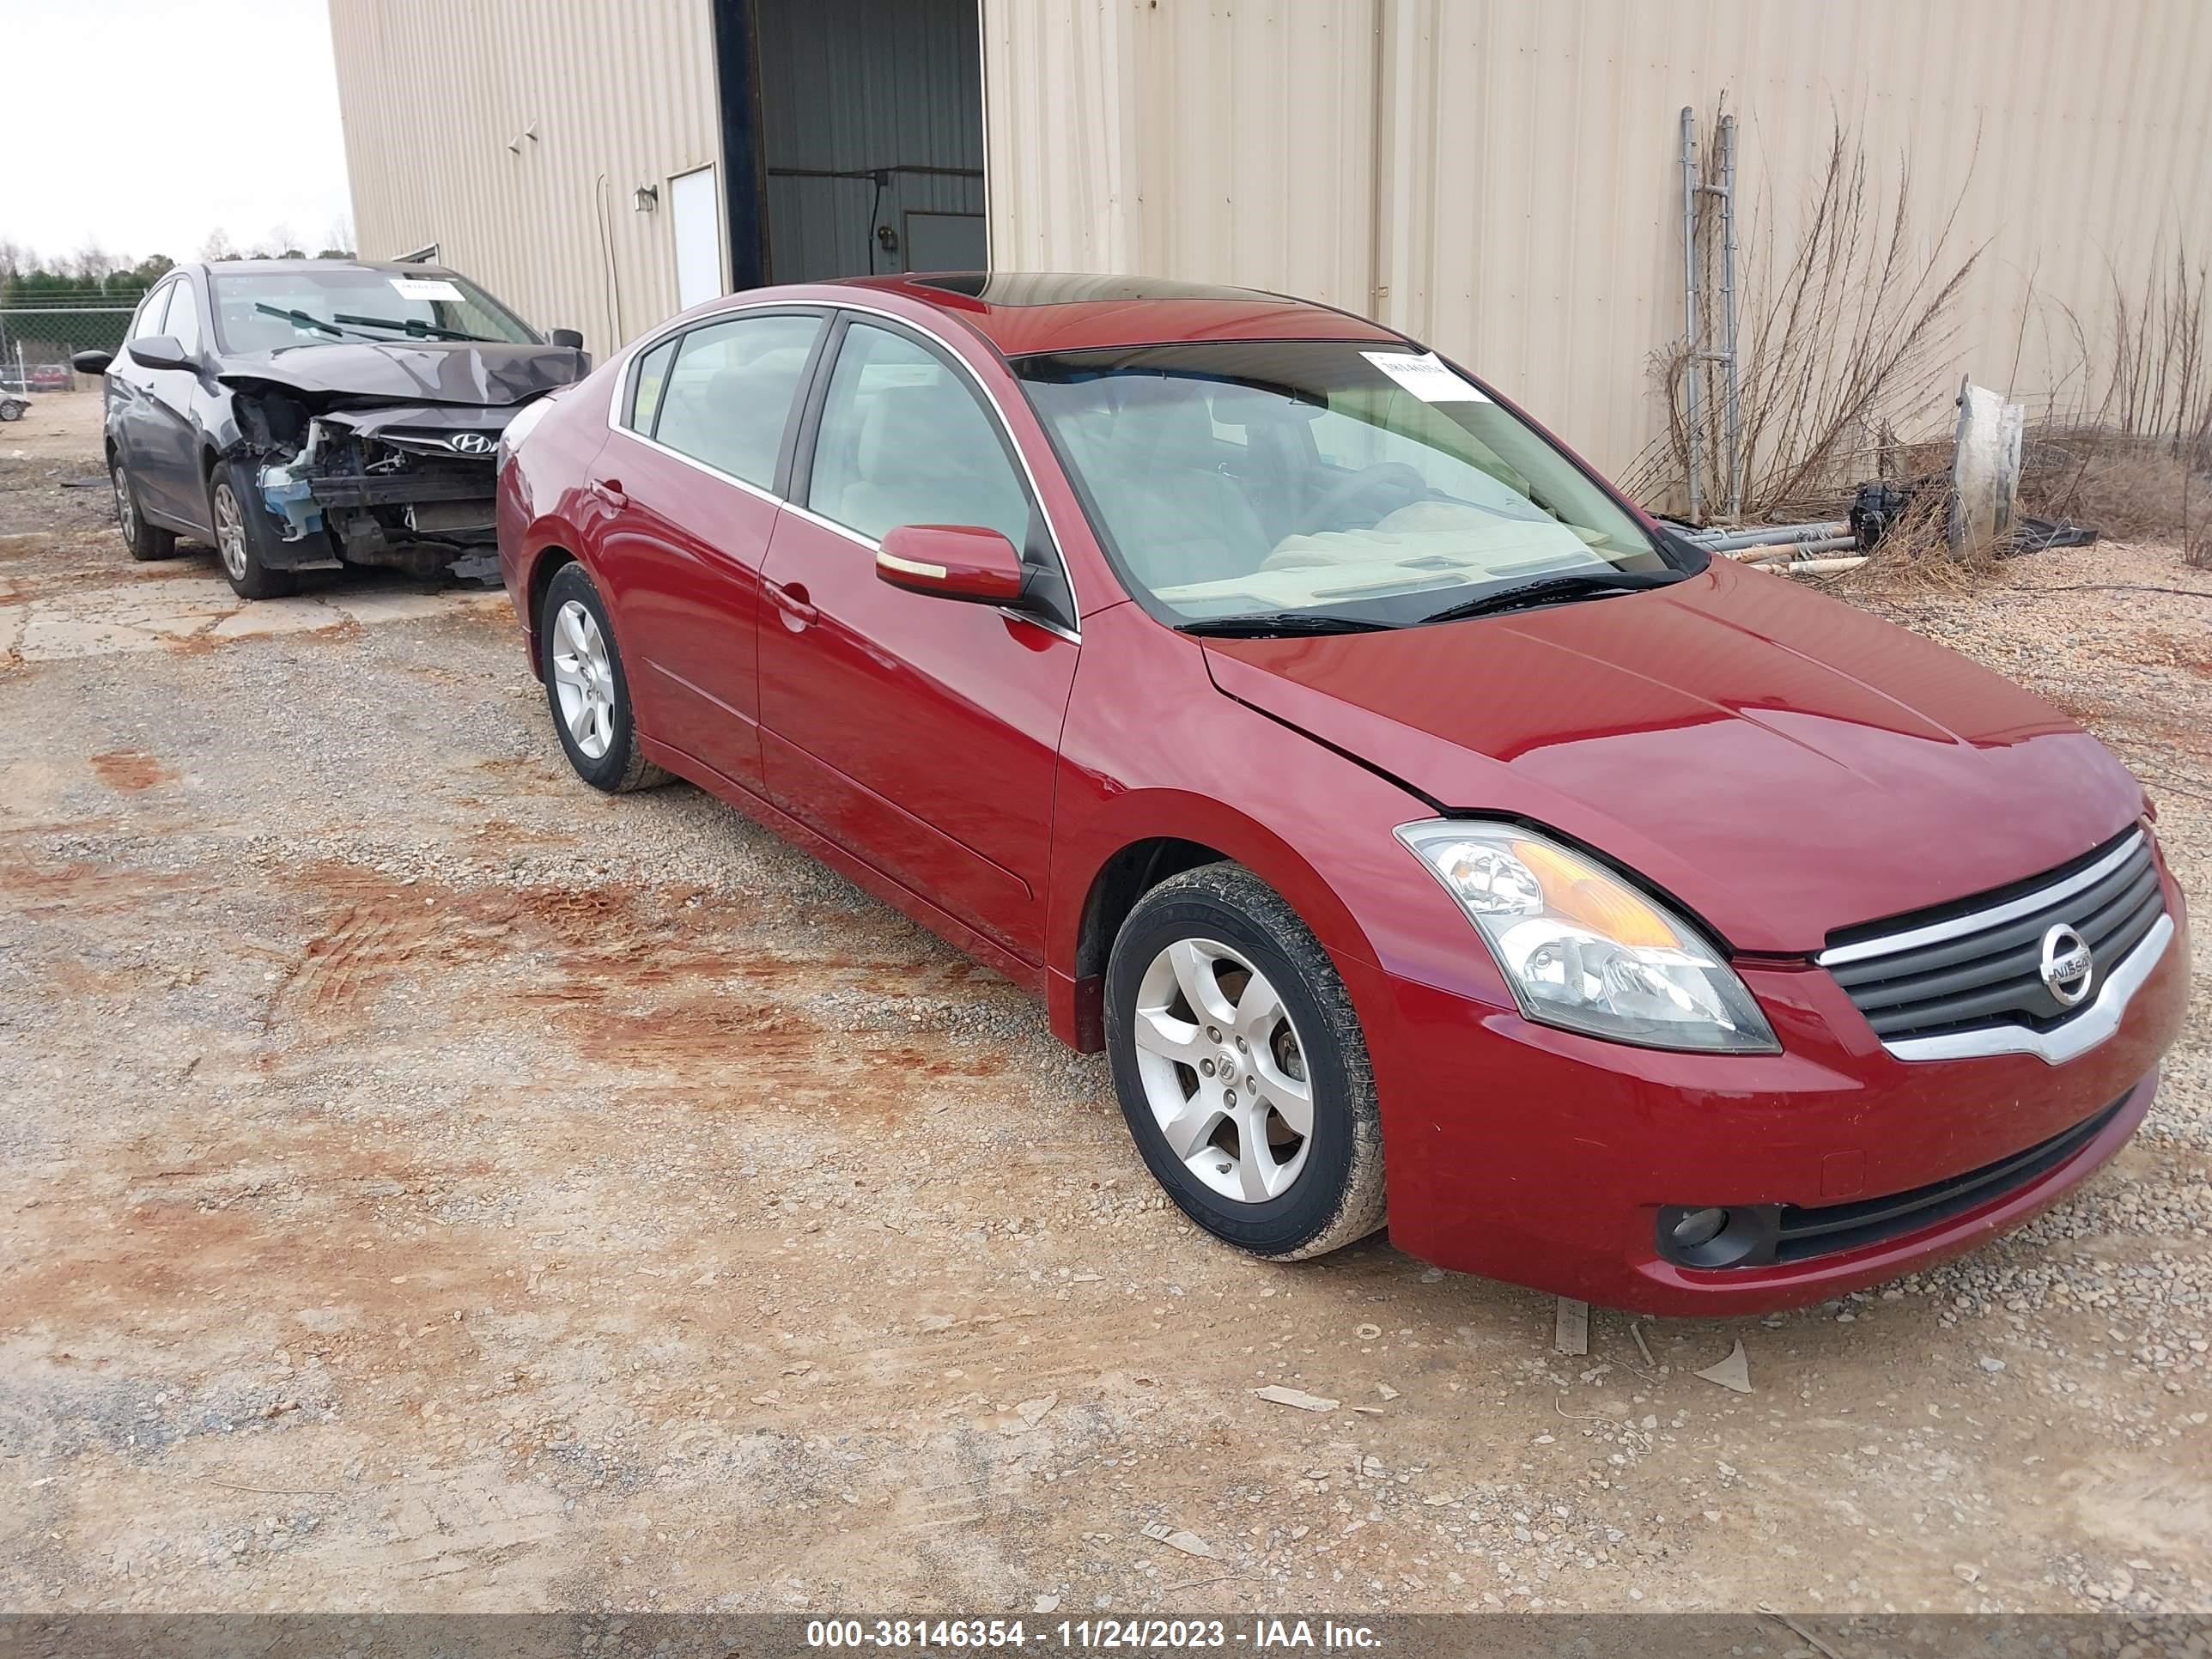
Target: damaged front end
365	475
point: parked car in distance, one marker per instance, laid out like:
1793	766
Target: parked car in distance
300	414
50	377
1420	829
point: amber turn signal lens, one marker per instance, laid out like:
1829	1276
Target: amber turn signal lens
1583	893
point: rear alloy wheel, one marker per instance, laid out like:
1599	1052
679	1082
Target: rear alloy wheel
1241	1066
587	688
144	540
243	536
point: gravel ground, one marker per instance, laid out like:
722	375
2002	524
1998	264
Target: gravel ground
426	1184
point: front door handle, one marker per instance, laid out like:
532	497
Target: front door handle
610	490
791	603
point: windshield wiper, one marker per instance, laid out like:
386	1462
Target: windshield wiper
303	318
1278	624
1555	587
419	330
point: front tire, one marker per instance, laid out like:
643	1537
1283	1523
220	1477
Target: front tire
1241	1066
587	688
146	542
244	536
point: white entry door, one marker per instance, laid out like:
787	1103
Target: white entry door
697	207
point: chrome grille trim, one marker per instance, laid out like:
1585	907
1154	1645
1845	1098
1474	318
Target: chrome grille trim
1965	986
2061	1043
1996	915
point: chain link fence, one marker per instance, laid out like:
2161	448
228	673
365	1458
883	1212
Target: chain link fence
37	340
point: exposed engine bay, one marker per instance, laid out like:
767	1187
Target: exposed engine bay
387	455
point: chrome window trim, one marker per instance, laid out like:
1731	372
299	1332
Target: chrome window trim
681	324
698	465
1996	915
2055	1046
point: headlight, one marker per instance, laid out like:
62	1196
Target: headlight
1583	950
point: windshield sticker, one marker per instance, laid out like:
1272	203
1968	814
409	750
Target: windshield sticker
425	288
1426	375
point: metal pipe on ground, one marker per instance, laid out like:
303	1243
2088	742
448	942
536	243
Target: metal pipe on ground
1766	552
1721	541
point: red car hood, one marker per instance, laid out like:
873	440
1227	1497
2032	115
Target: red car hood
1781	763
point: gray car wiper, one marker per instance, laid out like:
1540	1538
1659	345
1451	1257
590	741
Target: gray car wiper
1551	588
303	318
1278	624
421	329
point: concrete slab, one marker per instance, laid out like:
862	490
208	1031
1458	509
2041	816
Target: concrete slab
294	616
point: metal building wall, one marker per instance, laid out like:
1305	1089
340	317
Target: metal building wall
1500	176
852	84
436	95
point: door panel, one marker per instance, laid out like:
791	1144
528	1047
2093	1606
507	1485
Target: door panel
173	450
684	480
921	733
681	554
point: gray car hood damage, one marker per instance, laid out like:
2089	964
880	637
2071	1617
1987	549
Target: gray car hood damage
489	375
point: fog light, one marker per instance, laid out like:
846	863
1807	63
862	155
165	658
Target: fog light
1698	1227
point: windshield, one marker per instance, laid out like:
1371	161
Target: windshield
265	311
1284	479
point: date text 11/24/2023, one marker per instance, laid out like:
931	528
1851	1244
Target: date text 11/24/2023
1086	1635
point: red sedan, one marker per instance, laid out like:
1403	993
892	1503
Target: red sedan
1419	829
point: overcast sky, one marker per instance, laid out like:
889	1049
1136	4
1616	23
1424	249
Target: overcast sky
143	126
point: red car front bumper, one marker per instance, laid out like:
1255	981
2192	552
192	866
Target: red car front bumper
1525	1153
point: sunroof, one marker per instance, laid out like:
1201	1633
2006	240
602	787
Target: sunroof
999	287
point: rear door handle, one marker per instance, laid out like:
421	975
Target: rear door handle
791	602
610	490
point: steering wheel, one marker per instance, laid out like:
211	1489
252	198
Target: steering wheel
1393	480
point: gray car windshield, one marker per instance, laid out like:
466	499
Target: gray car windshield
1331	481
266	310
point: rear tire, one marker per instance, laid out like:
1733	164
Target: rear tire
587	688
146	542
245	535
1241	1066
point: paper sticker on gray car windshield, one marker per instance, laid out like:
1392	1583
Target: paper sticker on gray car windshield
1426	376
425	288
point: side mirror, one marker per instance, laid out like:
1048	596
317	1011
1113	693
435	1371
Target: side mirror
91	362
953	561
572	338
162	351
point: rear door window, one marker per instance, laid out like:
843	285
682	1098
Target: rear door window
728	394
648	380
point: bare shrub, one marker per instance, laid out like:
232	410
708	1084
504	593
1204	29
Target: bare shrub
2134	488
1855	327
2132	456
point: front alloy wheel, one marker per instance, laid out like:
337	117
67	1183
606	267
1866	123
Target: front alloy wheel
1241	1067
1223	1070
243	537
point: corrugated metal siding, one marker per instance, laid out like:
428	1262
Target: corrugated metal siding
1229	141
1500	179
433	92
854	84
